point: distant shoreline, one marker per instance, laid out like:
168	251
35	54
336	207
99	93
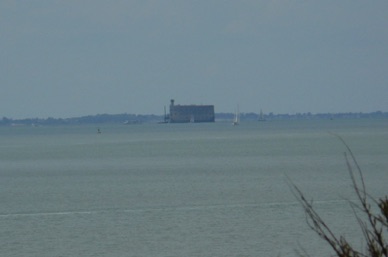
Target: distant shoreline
139	119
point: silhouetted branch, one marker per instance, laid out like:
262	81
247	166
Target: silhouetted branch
372	228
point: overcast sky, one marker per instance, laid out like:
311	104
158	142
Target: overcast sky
85	57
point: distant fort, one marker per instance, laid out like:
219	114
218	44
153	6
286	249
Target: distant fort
190	113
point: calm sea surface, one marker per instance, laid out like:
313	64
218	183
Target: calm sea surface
177	190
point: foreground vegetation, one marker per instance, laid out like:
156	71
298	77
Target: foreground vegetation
373	225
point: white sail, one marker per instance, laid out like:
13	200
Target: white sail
261	116
236	120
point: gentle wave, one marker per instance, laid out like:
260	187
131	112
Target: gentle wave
169	208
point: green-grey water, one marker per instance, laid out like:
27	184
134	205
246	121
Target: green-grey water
181	189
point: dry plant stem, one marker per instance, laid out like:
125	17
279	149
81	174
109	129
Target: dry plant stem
372	228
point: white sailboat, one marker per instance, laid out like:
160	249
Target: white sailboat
236	120
261	116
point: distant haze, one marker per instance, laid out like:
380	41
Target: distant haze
73	58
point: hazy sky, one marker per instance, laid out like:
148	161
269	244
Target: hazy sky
79	57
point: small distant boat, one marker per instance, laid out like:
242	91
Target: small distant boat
261	116
236	120
98	131
165	119
131	122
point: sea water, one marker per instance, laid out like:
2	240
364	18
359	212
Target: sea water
183	189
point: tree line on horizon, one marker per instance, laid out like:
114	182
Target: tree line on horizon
126	118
